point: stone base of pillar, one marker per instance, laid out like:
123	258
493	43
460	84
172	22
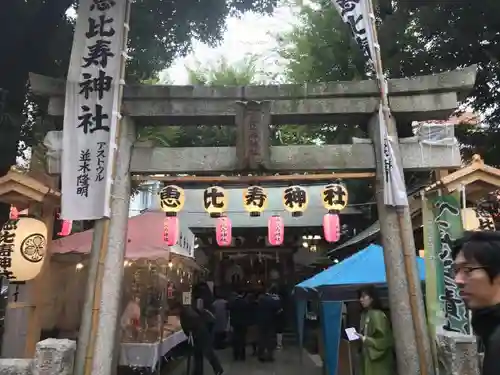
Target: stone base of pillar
52	357
16	366
458	354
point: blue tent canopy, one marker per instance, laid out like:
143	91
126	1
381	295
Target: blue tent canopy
339	281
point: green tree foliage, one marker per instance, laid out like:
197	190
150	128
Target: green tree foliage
36	36
223	73
417	37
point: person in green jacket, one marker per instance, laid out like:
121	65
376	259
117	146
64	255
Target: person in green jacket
377	356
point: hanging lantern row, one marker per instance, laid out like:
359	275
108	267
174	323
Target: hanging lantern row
23	245
334	198
295	198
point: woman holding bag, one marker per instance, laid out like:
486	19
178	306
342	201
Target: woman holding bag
377	355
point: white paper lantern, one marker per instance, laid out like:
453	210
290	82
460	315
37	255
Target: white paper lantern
23	245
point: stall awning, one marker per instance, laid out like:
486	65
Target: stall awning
144	239
363	268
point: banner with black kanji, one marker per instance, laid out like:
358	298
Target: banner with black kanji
92	109
358	15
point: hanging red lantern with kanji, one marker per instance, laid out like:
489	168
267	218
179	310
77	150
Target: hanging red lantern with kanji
331	227
170	291
171	230
275	230
334	198
66	227
14	213
223	231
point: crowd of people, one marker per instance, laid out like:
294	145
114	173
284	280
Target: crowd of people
241	320
255	319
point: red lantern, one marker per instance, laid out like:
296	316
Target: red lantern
171	230
14	213
275	230
331	227
170	291
223	231
66	227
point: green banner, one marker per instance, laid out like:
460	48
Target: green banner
447	227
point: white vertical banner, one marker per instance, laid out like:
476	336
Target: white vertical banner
92	109
394	186
358	16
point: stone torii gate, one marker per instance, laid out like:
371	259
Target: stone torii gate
252	109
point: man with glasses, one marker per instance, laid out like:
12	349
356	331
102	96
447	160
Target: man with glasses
477	274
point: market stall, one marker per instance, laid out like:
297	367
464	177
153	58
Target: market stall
148	332
153	274
334	292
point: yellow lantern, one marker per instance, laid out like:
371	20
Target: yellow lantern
295	200
172	199
334	197
255	200
477	219
215	201
23	245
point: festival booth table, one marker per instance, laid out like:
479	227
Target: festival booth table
335	289
154	273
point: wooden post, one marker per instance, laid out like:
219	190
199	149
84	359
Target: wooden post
110	277
397	234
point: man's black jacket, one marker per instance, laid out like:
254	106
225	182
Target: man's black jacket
239	310
268	307
194	323
486	324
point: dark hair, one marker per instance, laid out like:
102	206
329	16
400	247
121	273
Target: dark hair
371	292
273	289
482	247
175	304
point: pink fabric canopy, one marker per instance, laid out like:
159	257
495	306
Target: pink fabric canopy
144	239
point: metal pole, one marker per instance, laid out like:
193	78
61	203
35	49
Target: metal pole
102	361
415	299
